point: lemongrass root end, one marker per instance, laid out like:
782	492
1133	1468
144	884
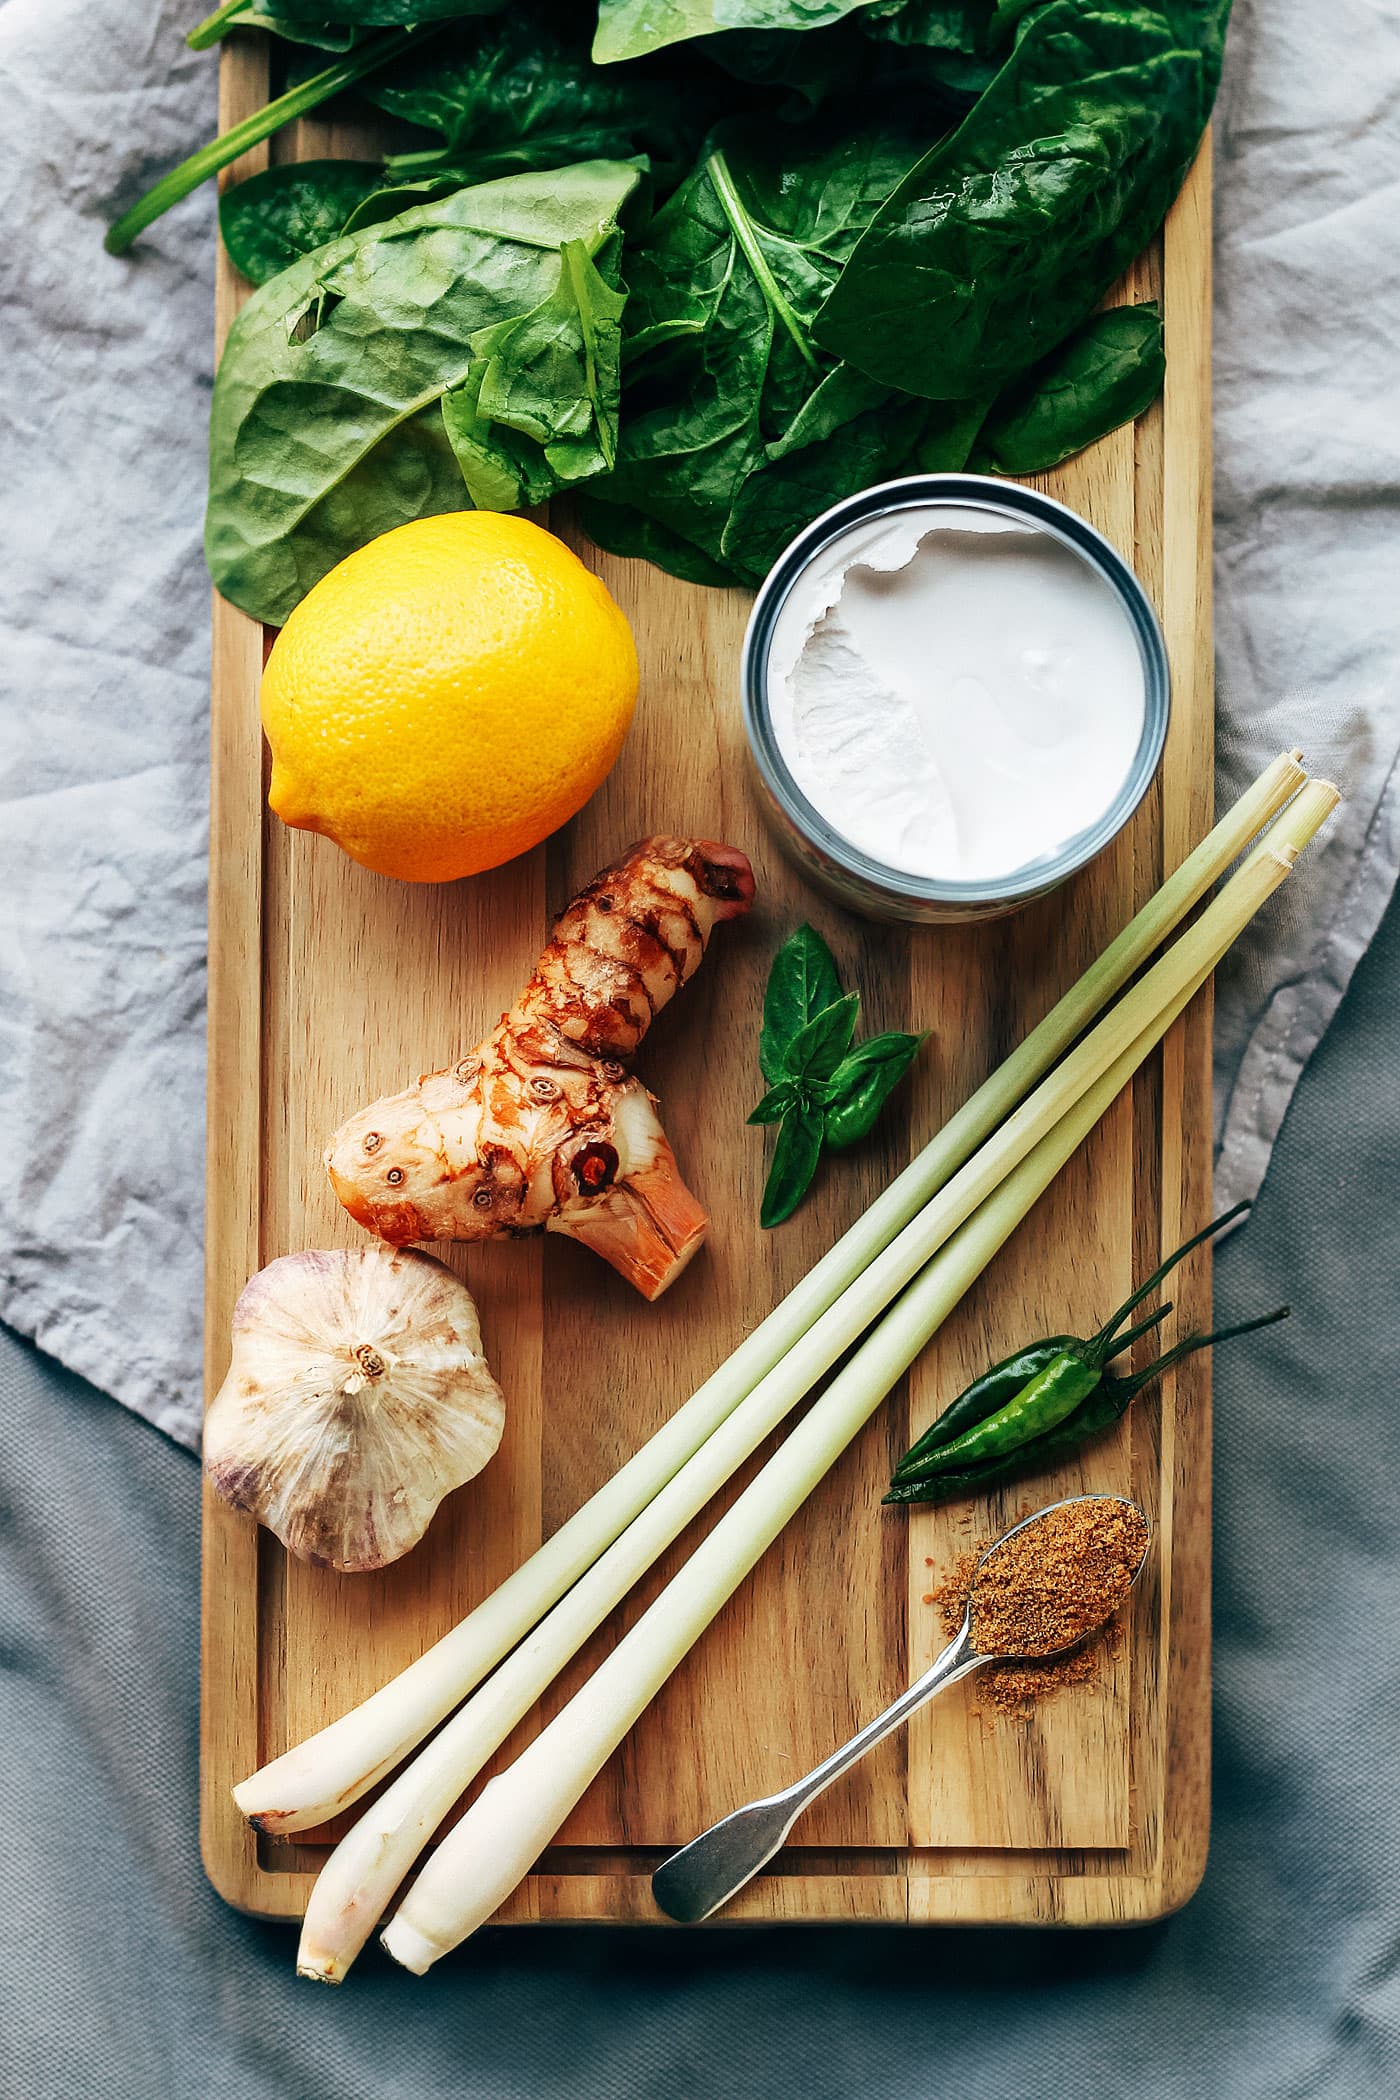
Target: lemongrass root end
410	1948
319	1972
272	1822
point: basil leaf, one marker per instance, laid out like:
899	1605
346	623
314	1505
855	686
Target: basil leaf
1006	236
776	1103
863	1082
794	1163
1107	373
321	441
816	1051
802	983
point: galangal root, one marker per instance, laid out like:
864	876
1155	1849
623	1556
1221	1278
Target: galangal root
541	1127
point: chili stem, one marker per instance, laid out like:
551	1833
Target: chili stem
1135	1334
1191	1343
1105	1334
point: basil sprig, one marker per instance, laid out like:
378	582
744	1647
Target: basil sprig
824	1088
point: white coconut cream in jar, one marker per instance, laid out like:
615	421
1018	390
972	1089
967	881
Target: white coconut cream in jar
957	693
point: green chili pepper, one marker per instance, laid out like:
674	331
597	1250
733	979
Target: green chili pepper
1029	1396
995	1388
983	1397
1041	1405
1100	1409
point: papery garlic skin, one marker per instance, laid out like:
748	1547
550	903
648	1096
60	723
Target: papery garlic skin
356	1398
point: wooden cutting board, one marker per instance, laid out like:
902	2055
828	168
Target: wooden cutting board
329	986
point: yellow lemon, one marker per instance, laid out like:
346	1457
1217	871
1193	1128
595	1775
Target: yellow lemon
447	696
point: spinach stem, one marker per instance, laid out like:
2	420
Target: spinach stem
211	29
297	102
574	257
732	206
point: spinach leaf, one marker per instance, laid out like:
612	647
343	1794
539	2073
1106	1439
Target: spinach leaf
1005	237
628	28
245	14
617	529
792	486
720	362
538	409
382	14
284	212
521	92
863	1082
1107	373
322	34
802	983
793	1164
961	41
327	426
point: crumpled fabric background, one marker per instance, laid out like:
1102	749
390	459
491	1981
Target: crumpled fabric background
103	599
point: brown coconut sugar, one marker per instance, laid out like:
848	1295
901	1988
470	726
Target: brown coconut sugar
1054	1583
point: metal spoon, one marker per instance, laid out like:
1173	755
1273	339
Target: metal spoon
694	1882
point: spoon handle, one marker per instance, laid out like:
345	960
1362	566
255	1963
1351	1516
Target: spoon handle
704	1874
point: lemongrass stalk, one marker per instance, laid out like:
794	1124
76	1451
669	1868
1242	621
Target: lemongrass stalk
486	1856
334	1768
362	1873
484	1859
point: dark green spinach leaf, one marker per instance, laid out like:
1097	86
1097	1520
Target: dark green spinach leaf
620	530
775	1103
281	214
521	92
1005	237
1107	373
629	28
961	42
321	440
723	380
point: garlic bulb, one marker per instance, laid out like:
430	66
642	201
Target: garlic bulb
356	1399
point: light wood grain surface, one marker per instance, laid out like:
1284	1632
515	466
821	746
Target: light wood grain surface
329	986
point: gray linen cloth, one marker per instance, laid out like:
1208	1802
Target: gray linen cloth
103	743
123	1977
